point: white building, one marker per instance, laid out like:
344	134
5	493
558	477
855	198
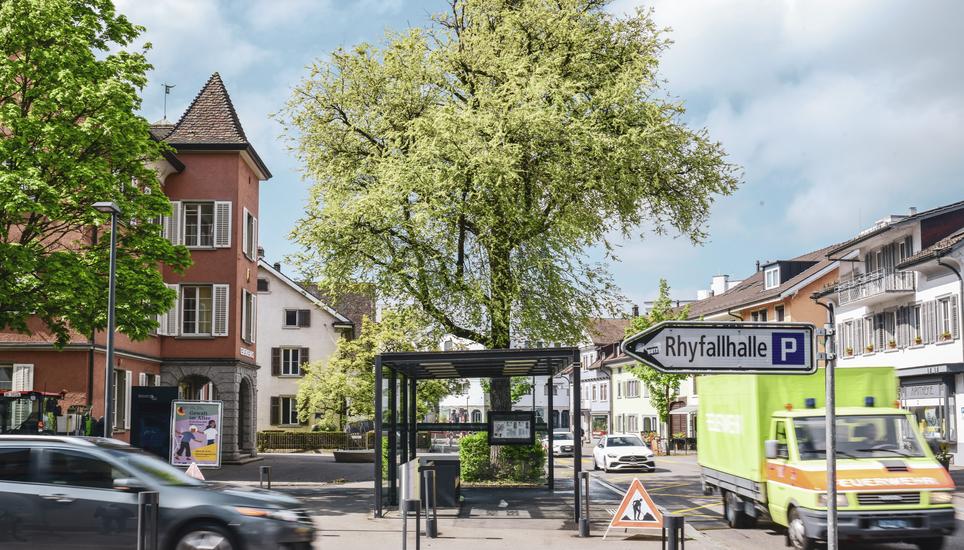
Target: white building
898	304
294	327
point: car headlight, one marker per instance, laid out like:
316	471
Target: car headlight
280	515
841	500
942	497
612	456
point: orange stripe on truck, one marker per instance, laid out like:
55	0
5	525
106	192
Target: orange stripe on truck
861	479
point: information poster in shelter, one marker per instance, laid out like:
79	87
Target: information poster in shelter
196	433
511	428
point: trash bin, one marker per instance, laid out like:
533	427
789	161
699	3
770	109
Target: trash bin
447	477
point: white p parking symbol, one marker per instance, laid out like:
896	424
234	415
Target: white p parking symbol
787	346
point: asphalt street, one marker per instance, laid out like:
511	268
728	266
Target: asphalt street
675	487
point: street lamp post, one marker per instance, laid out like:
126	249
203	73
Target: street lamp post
112	209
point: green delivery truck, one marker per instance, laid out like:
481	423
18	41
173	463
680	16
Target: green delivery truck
762	449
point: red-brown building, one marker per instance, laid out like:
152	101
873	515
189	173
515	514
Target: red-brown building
206	344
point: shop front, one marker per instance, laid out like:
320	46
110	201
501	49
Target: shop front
930	394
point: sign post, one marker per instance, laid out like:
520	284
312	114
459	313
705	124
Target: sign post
699	347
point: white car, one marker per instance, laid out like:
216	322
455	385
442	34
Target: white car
622	452
562	444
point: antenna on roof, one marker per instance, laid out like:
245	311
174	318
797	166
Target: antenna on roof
167	92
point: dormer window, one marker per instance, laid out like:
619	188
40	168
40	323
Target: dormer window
771	277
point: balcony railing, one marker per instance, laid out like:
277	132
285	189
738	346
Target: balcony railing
875	283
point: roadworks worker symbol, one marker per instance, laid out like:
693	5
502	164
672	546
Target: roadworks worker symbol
637	510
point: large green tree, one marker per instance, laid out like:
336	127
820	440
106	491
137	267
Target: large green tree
468	167
663	388
69	137
343	386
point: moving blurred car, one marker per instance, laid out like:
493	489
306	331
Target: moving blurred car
562	443
622	452
72	492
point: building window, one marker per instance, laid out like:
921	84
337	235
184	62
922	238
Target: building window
619	424
196	307
147	379
868	343
262	285
249	315
631	423
289	410
122	396
647	424
476	416
199	224
593	392
288	361
297	318
779	311
250	240
603	392
947	318
916	330
6	377
771	277
632	388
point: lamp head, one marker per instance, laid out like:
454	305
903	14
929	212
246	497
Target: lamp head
107	207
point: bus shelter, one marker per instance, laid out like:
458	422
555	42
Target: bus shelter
397	376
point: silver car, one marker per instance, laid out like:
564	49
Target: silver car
70	492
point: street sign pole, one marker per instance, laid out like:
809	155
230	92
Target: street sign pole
830	361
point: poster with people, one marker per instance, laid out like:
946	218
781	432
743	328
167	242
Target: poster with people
196	433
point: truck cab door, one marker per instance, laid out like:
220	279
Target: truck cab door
778	474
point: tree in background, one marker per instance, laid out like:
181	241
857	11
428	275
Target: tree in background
69	137
343	387
469	166
663	388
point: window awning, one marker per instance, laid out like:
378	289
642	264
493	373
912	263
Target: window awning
687	409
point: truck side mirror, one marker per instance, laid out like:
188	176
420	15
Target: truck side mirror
770	448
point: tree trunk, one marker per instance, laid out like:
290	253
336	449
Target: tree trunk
500	314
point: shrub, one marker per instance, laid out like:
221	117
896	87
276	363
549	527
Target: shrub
519	463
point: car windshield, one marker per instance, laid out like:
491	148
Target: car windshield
154	468
624	441
884	436
562	436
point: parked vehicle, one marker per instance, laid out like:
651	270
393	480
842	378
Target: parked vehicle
622	452
29	412
71	492
563	443
762	448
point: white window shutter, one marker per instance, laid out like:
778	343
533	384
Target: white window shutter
246	238
254	241
22	377
169	321
128	381
175	226
955	318
221	310
142	379
254	317
222	224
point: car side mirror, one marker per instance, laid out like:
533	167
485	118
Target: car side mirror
770	448
129	484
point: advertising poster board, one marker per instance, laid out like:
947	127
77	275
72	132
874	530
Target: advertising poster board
196	433
512	428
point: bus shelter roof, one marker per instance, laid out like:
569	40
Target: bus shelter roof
488	363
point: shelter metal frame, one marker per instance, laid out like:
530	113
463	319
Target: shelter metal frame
405	369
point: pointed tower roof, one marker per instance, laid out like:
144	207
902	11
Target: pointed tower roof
211	123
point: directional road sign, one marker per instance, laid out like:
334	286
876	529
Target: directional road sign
701	347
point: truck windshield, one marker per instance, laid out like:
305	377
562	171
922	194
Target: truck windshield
858	437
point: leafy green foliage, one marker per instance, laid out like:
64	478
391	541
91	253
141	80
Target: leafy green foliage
467	167
344	386
520	463
69	137
663	388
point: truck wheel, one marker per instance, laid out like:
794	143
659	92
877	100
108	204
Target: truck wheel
935	543
733	511
797	533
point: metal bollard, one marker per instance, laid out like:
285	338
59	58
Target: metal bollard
264	472
584	520
147	516
674	537
430	496
408	506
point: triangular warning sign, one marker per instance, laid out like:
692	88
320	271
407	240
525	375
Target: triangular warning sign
637	510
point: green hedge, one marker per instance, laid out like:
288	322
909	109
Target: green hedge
519	463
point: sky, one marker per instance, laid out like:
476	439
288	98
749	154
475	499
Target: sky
839	113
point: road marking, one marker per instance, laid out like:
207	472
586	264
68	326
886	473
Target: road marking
696	508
